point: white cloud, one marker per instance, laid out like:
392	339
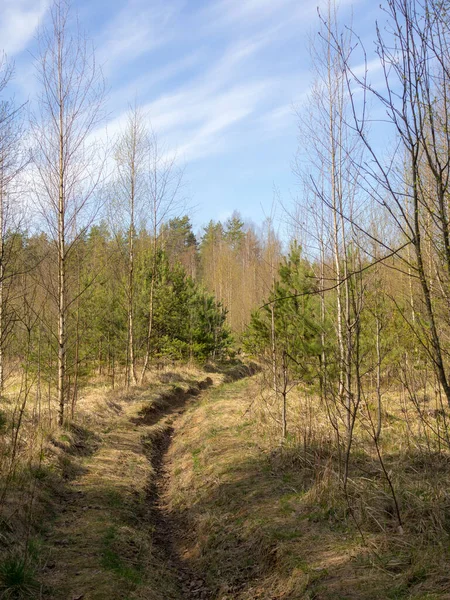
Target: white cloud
19	21
227	12
195	120
136	30
195	117
224	113
371	66
142	85
200	115
278	119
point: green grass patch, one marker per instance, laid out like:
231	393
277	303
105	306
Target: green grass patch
113	498
18	578
197	465
112	560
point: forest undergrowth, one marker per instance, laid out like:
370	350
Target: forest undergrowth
80	514
174	491
264	520
75	499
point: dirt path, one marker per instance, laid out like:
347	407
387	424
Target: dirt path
166	534
113	536
190	584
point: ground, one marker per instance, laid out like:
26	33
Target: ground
176	491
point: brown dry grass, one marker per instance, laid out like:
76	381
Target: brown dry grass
268	523
89	530
257	521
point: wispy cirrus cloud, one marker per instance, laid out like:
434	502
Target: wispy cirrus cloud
211	76
213	118
137	29
195	120
18	23
139	88
196	116
224	13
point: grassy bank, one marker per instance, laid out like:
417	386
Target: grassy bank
182	490
76	517
262	522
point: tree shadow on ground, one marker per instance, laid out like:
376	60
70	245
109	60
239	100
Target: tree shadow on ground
277	524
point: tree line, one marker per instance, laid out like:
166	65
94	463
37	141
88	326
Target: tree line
358	316
100	270
101	273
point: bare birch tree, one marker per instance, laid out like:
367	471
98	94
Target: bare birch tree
164	181
129	197
12	161
414	53
331	185
65	158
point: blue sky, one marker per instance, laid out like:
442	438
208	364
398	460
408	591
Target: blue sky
219	80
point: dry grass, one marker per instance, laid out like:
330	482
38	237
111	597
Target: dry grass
88	533
268	522
256	520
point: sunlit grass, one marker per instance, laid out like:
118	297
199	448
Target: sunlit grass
272	520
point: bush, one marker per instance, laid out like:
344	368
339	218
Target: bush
17	579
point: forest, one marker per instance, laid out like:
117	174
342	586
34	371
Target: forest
317	465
